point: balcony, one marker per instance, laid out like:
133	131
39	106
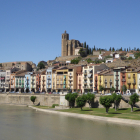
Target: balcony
134	82
116	85
116	79
43	80
117	75
85	77
96	84
70	84
85	73
96	79
48	78
85	83
123	80
105	82
129	83
134	76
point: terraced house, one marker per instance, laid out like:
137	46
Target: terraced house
33	82
49	78
88	76
131	78
2	79
27	82
43	81
61	79
12	81
20	81
106	79
72	78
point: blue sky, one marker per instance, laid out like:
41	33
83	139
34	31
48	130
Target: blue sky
30	30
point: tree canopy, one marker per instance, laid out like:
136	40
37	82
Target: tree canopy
133	99
90	98
106	101
32	98
70	97
41	65
116	100
81	101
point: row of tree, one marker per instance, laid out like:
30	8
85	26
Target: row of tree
106	101
90	50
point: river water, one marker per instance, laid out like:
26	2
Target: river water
23	123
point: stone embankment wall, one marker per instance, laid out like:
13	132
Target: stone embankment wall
49	100
24	99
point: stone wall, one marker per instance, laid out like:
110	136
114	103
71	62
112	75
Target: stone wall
47	100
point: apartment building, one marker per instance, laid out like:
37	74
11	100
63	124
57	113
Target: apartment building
79	80
33	82
117	78
88	76
43	81
38	81
106	79
2	79
61	79
27	82
54	79
72	78
20	81
49	78
131	78
12	81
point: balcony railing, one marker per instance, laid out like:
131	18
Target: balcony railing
123	80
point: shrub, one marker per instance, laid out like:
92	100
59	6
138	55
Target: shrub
53	106
32	98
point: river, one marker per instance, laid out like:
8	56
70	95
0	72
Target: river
23	123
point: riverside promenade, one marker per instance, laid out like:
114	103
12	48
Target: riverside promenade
92	117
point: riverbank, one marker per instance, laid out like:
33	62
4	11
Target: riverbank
92	117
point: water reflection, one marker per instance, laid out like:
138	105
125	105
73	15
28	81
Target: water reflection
22	123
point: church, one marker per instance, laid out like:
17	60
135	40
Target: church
70	47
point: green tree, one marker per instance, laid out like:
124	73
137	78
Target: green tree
112	89
137	55
82	52
106	101
85	45
70	97
90	98
32	98
94	48
110	49
101	88
41	65
75	60
87	49
89	60
116	100
127	49
0	65
130	58
81	101
133	99
124	88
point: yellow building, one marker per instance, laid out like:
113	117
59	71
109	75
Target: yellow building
106	79
61	77
131	80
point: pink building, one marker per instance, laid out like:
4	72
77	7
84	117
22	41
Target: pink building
79	79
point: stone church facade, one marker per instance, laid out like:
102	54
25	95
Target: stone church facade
68	47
